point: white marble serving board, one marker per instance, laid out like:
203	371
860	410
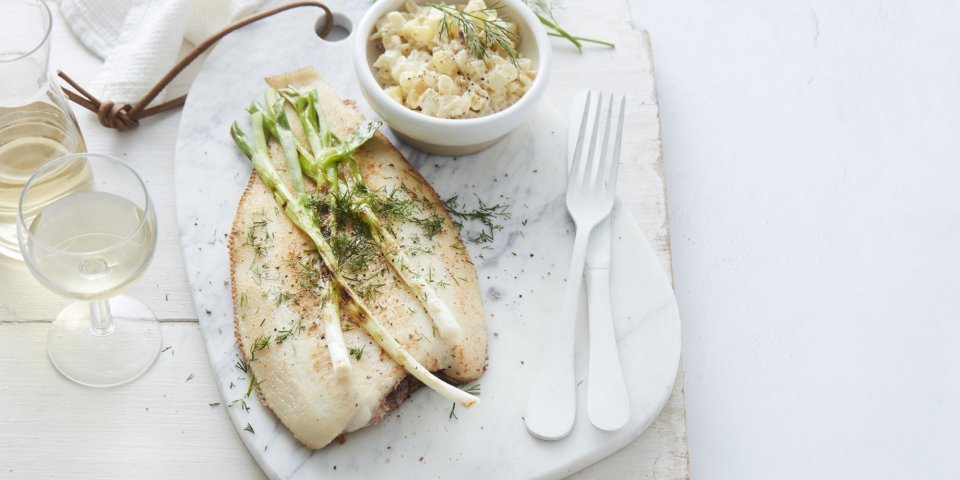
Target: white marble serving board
521	279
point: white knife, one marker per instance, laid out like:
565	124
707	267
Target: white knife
608	406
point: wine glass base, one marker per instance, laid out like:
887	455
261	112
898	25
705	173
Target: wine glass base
107	360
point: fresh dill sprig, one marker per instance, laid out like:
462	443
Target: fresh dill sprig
241	402
252	239
253	381
242	366
283	335
472	390
353	253
357	352
259	275
394	207
421	337
308	274
282	297
249	428
369	290
480	33
259	344
544	9
486	214
431	225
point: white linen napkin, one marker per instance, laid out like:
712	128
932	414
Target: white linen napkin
141	39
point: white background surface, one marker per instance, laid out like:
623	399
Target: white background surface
814	184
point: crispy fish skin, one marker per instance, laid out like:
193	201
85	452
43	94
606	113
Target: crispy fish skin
269	262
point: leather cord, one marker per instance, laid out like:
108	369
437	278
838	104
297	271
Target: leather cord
124	116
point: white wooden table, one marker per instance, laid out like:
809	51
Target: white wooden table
162	425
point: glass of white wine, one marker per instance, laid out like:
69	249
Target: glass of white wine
91	245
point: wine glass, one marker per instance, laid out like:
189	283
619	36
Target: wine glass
91	245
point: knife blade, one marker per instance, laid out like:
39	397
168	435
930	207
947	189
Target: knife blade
608	405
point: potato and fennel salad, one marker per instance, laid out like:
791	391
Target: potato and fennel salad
451	61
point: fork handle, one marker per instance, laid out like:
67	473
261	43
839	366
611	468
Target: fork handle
552	405
607	404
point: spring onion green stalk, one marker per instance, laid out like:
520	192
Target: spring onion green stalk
333	303
260	157
322	168
275	120
289	146
303	217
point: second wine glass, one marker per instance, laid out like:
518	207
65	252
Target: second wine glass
92	245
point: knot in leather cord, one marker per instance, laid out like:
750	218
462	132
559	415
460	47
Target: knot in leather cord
124	116
116	115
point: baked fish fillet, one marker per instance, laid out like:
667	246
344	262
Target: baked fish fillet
276	308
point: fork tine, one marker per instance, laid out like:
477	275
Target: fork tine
616	145
577	157
593	163
603	167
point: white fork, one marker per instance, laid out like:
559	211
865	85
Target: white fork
551	408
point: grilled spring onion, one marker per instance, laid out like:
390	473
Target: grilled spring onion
296	209
321	162
293	206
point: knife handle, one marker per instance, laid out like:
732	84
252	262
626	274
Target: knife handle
608	406
552	405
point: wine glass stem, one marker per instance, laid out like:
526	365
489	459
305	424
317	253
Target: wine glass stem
101	320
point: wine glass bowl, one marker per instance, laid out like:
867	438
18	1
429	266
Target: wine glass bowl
92	244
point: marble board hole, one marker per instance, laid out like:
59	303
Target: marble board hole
341	27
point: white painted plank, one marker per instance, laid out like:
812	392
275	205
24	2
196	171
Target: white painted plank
158	426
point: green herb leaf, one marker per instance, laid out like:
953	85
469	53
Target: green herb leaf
486	214
357	352
544	10
480	34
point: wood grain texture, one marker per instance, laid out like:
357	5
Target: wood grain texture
161	425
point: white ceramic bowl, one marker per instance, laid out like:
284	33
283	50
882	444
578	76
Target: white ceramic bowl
452	136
